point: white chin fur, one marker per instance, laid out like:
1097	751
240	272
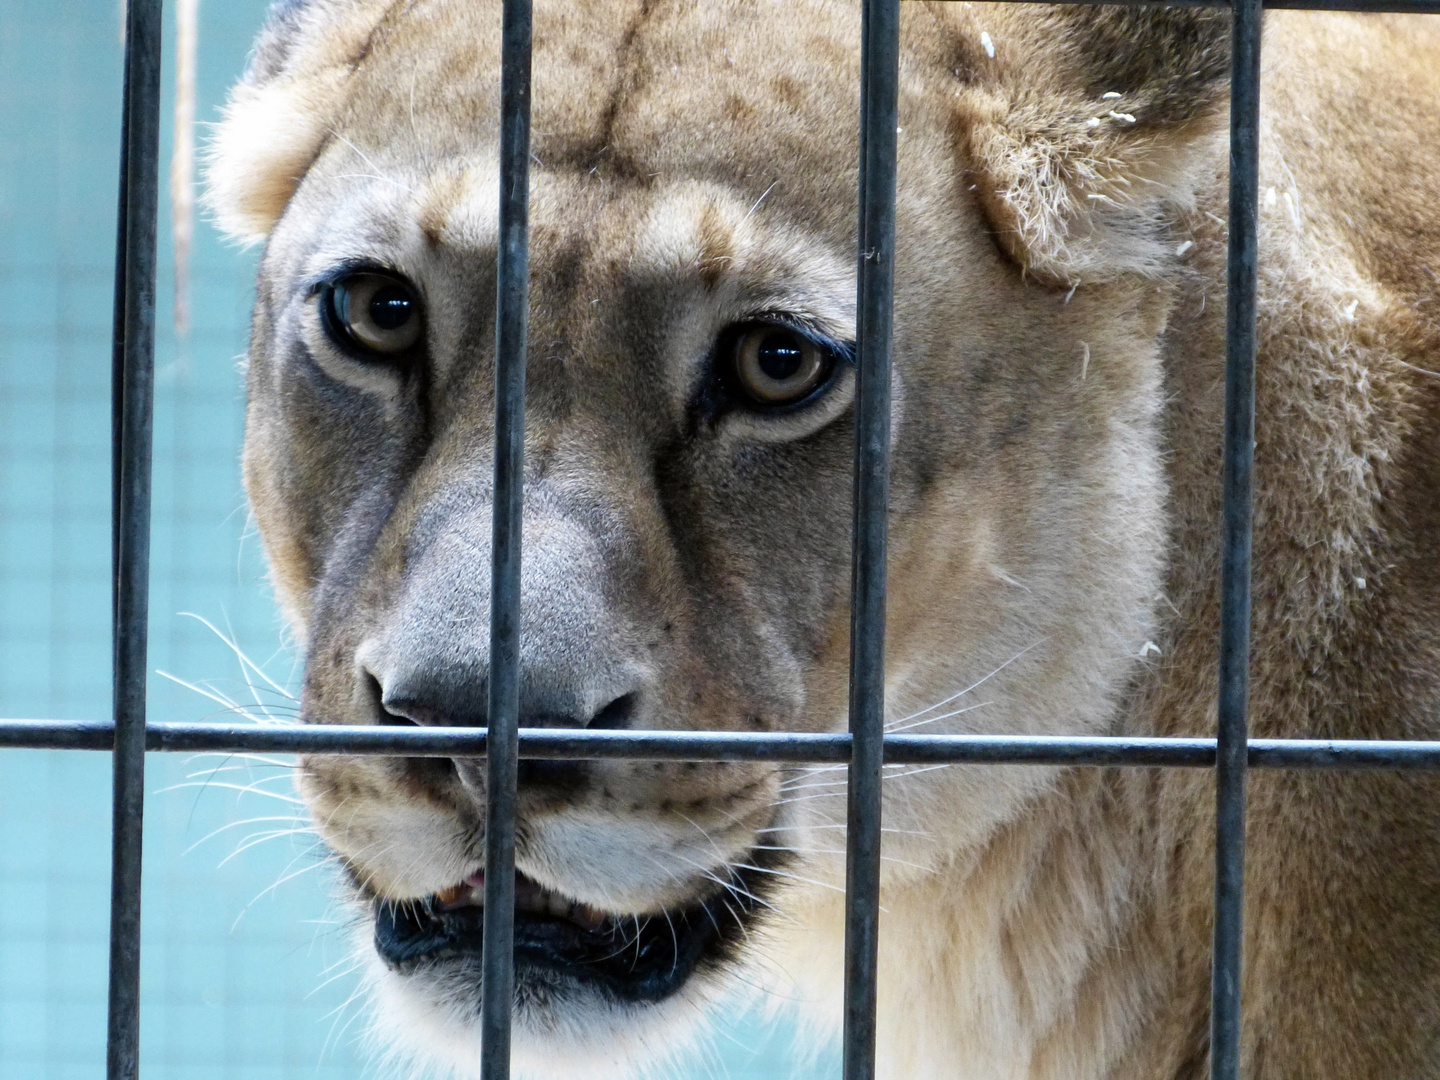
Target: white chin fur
421	1029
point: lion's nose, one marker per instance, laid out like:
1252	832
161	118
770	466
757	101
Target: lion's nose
408	707
585	649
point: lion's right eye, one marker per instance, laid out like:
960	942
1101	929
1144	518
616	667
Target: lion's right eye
372	315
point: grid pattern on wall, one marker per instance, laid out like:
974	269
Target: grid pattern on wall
865	748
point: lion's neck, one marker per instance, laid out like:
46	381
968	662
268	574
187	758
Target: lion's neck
1035	958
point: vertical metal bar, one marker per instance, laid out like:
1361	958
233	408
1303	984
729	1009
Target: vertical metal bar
879	111
1234	688
512	299
133	398
117	357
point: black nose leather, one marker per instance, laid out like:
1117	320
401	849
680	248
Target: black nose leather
533	772
564	772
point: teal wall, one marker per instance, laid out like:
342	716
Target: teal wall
239	935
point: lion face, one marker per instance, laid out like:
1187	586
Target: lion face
688	466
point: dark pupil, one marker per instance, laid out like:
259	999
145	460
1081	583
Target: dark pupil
780	356
390	307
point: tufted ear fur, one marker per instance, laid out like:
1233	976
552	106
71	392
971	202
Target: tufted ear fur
1086	128
280	114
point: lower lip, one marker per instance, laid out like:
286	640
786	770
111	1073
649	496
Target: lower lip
646	959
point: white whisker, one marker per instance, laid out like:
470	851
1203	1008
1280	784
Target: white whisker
257	759
841	825
787	874
245	662
978	682
213	695
249	789
292	818
255	839
287	877
897	727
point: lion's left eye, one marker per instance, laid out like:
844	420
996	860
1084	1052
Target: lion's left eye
775	366
374	314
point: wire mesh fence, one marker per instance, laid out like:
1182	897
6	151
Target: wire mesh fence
866	748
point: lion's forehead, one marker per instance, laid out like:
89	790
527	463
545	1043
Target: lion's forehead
755	99
716	91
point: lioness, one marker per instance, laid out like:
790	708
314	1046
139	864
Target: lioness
1059	323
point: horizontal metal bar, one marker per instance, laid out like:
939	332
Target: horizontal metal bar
1372	7
1379	7
725	746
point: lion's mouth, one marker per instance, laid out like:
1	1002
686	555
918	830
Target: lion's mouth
633	957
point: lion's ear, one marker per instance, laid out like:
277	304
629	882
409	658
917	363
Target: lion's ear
281	112
1086	128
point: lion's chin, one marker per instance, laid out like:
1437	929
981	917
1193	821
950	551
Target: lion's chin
596	993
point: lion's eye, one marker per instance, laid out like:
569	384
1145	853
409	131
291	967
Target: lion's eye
372	313
776	366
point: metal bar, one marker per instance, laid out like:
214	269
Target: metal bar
548	743
132	393
879	111
1413	7
1402	7
117	352
1234	673
511	309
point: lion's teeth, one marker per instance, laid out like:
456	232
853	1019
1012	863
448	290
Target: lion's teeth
454	895
468	893
530	899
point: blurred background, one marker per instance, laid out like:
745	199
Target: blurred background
245	974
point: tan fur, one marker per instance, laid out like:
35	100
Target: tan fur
1059	354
